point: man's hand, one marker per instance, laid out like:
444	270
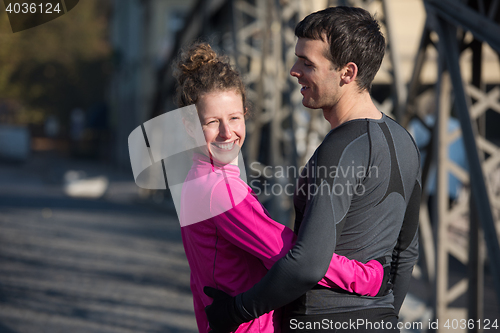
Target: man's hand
386	285
223	315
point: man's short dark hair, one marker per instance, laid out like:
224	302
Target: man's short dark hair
353	34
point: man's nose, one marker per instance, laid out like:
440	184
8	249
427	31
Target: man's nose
294	71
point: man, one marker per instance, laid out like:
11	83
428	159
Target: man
358	196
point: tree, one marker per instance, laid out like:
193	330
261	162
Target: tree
57	66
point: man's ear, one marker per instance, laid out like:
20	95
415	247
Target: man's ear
349	73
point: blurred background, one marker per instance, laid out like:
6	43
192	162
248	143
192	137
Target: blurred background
83	248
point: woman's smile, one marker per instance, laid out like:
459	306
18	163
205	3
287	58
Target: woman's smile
222	118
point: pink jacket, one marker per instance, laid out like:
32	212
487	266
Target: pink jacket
231	242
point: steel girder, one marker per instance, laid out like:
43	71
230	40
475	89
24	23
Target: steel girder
477	212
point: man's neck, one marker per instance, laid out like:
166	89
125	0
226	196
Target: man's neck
354	105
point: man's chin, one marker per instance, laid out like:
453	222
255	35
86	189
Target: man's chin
308	103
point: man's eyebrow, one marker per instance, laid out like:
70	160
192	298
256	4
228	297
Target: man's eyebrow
303	57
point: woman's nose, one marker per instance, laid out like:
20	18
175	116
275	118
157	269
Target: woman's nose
224	130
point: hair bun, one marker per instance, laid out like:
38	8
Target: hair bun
199	69
195	57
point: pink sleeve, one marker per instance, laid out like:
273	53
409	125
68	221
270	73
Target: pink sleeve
245	222
353	276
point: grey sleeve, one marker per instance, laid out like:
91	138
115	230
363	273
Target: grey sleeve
302	267
405	253
308	261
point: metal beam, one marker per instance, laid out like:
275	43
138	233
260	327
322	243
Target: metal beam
458	14
447	36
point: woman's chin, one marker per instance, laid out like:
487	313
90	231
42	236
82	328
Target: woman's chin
226	157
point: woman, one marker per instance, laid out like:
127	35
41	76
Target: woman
229	238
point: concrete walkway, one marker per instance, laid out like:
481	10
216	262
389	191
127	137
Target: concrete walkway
87	265
111	264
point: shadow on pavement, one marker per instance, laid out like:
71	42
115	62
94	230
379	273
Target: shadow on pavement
83	265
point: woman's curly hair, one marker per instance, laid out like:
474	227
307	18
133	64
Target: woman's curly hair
200	70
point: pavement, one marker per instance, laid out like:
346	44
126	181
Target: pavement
83	249
88	263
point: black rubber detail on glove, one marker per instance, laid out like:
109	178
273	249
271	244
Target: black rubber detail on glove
223	314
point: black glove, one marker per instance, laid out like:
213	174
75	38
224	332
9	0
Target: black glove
386	286
223	315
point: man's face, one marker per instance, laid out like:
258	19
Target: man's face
317	75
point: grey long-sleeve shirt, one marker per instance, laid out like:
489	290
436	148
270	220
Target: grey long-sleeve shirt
358	196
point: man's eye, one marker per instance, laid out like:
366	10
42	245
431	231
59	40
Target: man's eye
212	122
307	64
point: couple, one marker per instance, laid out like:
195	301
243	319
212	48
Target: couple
351	255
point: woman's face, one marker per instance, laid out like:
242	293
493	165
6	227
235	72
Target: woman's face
223	123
